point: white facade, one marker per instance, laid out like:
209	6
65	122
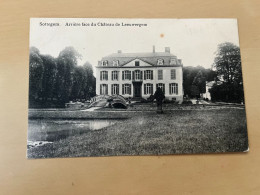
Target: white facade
208	87
145	73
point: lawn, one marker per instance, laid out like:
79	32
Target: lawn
208	130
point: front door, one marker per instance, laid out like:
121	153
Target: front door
137	89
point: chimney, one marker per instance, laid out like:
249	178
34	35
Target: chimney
167	50
153	49
119	51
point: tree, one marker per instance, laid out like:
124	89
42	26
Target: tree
189	74
66	63
79	83
228	67
200	82
35	73
90	88
55	81
228	63
49	75
83	82
194	91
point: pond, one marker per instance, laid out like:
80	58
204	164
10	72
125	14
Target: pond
48	130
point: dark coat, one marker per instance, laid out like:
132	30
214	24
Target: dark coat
159	95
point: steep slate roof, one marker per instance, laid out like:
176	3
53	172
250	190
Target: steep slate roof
150	58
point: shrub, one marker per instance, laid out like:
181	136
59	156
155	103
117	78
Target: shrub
186	102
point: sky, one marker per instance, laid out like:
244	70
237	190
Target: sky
194	41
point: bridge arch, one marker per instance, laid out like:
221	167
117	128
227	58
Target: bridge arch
116	101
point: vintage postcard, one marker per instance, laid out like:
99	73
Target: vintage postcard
111	87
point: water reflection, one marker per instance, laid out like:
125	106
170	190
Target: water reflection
53	130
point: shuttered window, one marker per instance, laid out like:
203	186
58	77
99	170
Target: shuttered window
160	74
137	75
114	75
148	88
161	85
126	89
103	75
173	88
148	74
126	75
173	74
103	89
115	89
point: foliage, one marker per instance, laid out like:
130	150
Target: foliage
228	63
227	93
228	67
49	74
195	91
35	73
66	63
200	82
190	73
55	81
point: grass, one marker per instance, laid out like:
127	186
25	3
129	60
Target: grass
148	133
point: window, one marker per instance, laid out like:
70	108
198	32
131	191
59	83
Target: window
173	74
103	89
160	62
137	75
103	75
115	89
160	74
148	74
104	63
148	88
173	61
114	75
126	89
173	88
179	61
126	75
161	85
137	63
115	63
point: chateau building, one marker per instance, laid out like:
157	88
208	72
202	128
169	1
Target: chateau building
137	75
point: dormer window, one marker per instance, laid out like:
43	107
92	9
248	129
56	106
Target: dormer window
104	63
173	61
115	63
137	63
160	62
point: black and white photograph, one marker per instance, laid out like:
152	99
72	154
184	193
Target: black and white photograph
117	87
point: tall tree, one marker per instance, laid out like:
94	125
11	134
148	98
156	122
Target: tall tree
35	73
83	82
49	75
90	88
79	83
228	67
228	63
66	63
200	82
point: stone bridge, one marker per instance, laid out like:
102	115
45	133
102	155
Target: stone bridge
116	101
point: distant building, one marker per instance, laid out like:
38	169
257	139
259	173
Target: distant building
137	75
208	87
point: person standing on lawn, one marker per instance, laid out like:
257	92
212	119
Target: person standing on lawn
159	96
